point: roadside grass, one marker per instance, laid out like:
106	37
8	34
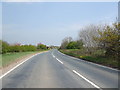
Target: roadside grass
96	57
107	61
12	57
0	60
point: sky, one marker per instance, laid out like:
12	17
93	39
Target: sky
50	22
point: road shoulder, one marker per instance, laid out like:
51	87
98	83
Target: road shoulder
17	62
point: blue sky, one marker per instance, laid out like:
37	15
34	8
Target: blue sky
50	22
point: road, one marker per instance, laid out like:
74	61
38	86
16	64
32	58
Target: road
53	69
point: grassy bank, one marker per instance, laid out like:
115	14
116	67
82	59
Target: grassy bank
107	61
12	57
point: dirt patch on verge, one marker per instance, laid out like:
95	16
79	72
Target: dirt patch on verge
16	62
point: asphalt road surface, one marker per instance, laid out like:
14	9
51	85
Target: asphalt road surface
53	69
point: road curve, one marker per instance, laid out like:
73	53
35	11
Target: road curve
53	69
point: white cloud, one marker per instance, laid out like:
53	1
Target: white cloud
60	0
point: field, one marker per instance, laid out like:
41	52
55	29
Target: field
96	58
6	59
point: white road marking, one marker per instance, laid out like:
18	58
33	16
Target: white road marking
61	53
17	66
53	56
91	63
59	61
103	66
86	79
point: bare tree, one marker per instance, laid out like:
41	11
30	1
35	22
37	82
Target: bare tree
65	42
87	34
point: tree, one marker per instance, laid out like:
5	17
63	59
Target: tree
79	44
109	39
87	34
71	45
65	42
75	45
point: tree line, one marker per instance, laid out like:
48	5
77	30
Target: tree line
69	43
7	48
96	37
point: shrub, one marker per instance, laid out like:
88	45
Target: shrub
5	47
41	46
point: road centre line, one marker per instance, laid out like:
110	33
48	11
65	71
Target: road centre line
91	63
53	55
93	84
59	61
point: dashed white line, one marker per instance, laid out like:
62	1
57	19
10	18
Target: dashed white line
87	80
53	55
17	66
93	84
59	61
91	63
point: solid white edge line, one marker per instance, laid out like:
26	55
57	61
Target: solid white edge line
86	79
92	63
17	66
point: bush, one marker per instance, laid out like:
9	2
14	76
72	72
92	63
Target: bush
0	46
75	45
16	48
109	40
5	47
41	46
71	45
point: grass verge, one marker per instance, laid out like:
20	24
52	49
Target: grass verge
12	57
106	61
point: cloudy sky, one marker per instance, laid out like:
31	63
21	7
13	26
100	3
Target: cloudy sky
50	22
